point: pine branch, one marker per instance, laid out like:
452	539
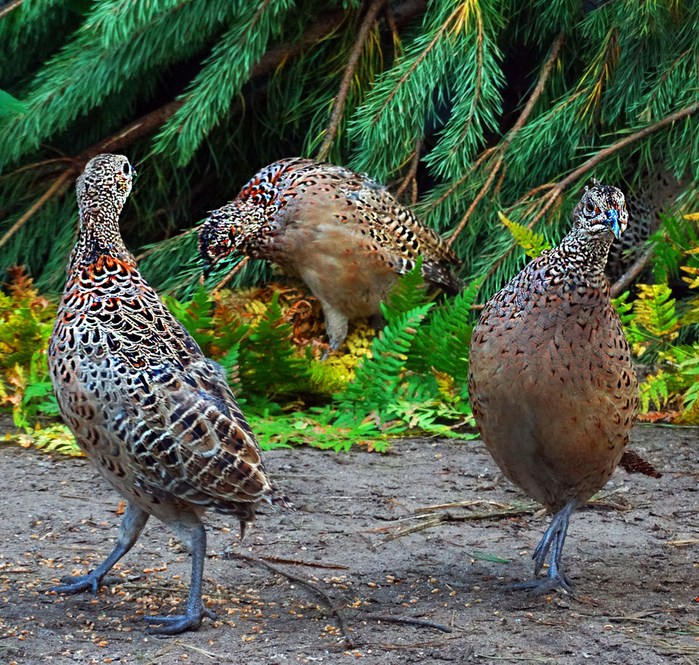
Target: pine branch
485	155
57	187
230	275
504	144
417	62
153	120
13	4
341	98
462	223
479	79
557	189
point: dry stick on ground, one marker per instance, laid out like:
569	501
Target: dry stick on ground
423	623
525	509
307	583
461	504
341	98
297	562
557	189
501	149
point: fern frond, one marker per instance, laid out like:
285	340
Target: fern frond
654	310
532	243
377	378
409	292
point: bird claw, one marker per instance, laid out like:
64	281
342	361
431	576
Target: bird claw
546	584
175	624
72	585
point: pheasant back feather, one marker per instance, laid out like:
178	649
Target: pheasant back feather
292	191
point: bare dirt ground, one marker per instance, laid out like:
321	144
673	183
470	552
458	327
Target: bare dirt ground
633	556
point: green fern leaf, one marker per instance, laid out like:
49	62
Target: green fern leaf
532	243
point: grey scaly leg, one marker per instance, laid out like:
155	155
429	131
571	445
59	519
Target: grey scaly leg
336	326
192	532
553	541
131	526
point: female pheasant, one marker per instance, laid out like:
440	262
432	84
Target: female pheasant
551	383
341	232
154	415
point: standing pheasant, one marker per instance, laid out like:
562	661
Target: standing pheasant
154	415
341	232
551	383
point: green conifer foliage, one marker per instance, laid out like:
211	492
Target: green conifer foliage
468	108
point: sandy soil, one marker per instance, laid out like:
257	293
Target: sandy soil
633	556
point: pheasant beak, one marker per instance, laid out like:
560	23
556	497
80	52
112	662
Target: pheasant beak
207	267
617	226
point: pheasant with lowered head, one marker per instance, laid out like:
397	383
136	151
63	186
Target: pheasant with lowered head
341	232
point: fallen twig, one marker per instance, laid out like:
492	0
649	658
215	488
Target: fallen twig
462	504
312	564
423	623
307	583
444	518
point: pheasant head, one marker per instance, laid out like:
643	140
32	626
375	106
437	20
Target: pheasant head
102	191
598	218
105	184
241	227
601	212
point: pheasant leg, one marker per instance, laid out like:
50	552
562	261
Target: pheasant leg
552	541
131	526
195	536
336	327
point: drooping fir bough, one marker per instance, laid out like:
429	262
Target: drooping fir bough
505	100
149	410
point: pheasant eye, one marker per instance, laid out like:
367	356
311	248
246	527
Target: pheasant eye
589	207
127	168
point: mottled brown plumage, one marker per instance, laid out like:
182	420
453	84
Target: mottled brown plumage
151	412
653	197
551	384
341	232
